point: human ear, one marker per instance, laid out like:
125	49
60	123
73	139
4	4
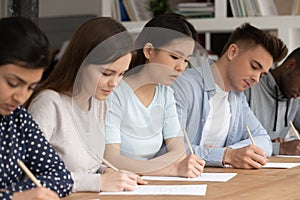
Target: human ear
147	50
232	51
290	64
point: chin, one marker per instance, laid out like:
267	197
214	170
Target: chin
101	98
4	112
239	89
168	83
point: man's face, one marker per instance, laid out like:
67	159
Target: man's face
289	83
246	66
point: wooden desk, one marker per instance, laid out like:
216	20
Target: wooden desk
248	184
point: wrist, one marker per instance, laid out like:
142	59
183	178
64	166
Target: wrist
102	169
225	159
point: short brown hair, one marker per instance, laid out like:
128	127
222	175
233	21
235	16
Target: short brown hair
252	36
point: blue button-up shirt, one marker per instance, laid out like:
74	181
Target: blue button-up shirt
193	90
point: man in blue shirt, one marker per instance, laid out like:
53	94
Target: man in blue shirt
212	107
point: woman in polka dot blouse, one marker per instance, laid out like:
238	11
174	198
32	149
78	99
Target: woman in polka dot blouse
24	56
73	96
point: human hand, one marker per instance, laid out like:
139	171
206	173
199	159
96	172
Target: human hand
280	140
39	193
290	148
191	166
114	181
248	157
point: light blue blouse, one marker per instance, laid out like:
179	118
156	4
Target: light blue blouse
141	130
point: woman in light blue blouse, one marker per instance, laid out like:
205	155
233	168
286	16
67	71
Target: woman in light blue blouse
24	56
142	112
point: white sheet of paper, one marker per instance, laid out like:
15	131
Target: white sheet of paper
280	165
287	156
217	177
199	190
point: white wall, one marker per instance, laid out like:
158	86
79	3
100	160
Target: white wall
50	8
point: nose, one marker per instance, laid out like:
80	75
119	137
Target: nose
181	65
114	81
21	96
255	77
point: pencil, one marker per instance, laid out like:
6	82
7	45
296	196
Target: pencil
188	141
250	135
106	162
29	173
294	130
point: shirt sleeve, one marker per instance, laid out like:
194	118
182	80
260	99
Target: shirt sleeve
260	135
180	89
171	126
43	161
84	182
113	120
296	120
45	102
6	195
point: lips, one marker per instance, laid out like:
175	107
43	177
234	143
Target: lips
107	91
10	107
174	76
247	83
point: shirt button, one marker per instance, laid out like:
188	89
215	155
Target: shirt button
89	171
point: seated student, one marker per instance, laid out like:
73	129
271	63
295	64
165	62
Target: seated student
212	107
142	112
24	56
70	106
275	102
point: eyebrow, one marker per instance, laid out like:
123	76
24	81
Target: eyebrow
21	80
106	69
259	65
181	53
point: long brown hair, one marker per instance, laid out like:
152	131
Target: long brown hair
84	41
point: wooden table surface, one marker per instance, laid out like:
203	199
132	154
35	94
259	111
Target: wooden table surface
252	184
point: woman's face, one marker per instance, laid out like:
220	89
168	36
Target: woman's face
106	77
171	60
16	86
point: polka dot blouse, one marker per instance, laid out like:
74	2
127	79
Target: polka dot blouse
21	138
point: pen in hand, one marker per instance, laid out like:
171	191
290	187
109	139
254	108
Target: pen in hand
252	140
188	141
250	135
29	173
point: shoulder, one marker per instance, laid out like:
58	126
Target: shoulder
121	93
165	94
47	96
22	117
194	74
21	113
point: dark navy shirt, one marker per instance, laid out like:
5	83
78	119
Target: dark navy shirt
21	138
